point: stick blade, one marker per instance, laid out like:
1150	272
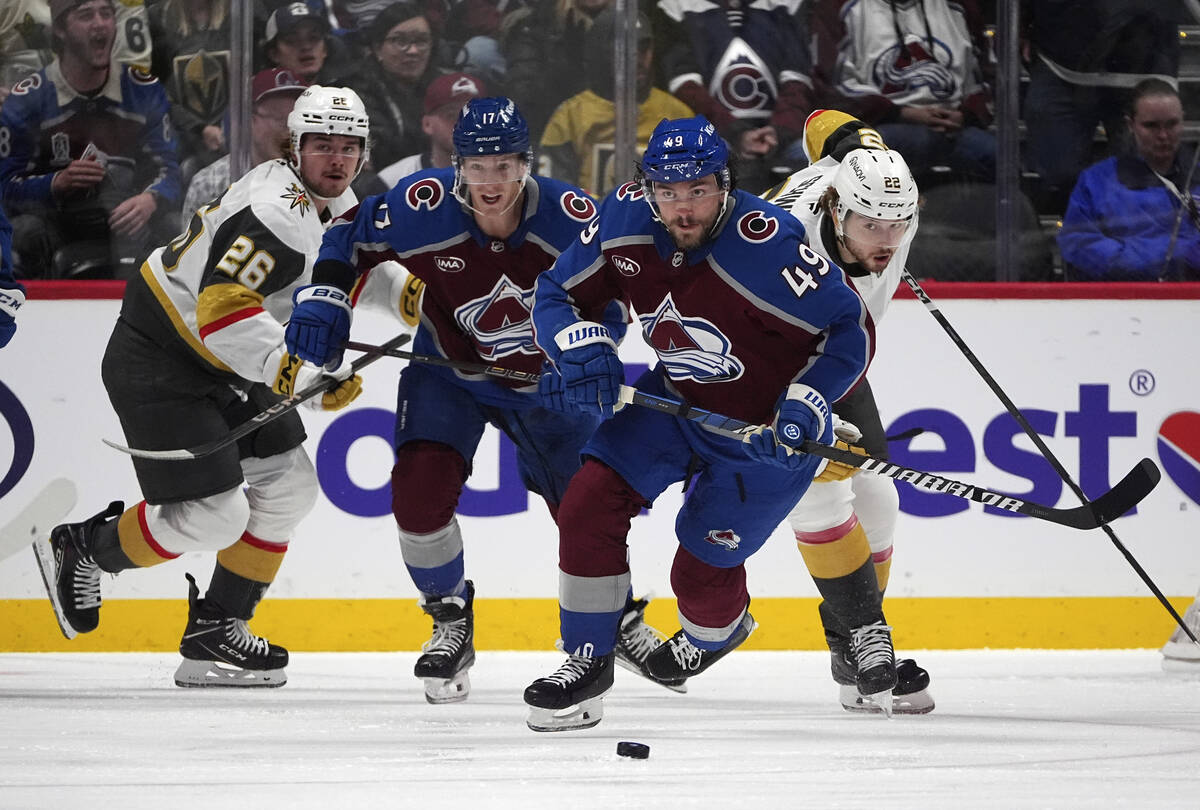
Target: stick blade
169	455
1128	493
34	522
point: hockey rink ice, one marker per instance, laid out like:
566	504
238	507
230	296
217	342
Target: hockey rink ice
1012	729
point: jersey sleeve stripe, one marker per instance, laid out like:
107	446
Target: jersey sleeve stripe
219	305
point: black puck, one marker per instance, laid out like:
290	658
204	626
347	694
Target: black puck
633	750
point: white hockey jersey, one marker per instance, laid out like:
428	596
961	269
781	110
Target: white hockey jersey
800	194
226	283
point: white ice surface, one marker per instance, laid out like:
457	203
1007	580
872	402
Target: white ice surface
1011	730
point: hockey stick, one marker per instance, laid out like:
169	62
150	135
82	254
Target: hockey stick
919	292
269	415
34	522
1109	506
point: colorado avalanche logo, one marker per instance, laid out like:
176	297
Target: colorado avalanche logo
427	193
577	206
499	321
630	191
905	69
690	348
724	537
743	83
1179	451
757	227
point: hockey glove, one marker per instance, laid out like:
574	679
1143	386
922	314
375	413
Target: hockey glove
320	324
550	390
591	372
802	414
295	376
846	433
11	299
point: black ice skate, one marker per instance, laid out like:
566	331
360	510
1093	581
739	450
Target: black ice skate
219	650
71	574
573	697
875	672
636	640
911	695
449	654
678	658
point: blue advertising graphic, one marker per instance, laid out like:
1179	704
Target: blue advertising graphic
17	419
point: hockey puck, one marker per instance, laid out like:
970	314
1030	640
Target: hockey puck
633	750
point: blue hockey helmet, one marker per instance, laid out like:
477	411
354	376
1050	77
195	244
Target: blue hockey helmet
491	126
685	149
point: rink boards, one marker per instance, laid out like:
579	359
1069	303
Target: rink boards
1106	380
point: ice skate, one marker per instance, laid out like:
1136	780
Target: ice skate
219	650
71	574
677	658
875	675
636	640
573	697
1180	655
911	695
449	654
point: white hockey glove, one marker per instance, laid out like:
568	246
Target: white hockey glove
847	434
293	376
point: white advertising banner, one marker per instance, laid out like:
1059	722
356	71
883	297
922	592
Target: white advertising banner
1106	382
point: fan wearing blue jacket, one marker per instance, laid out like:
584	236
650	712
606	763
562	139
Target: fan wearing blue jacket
1133	217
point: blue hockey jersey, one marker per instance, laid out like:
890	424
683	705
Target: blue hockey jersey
478	289
45	124
733	322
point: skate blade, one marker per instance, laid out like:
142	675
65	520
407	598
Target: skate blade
447	690
920	702
573	718
878	703
205	674
679	687
45	560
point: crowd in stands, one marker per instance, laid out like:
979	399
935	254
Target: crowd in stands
115	118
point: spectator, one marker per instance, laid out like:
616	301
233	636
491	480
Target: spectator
90	172
394	78
1084	57
541	52
1133	216
24	42
191	58
577	145
274	91
913	71
443	101
744	66
298	38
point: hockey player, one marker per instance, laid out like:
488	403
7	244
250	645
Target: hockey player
858	203
1180	654
478	234
12	293
746	321
199	348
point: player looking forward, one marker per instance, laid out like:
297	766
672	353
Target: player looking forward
198	348
478	233
746	321
858	203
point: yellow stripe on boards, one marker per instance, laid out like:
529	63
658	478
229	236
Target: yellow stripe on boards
372	625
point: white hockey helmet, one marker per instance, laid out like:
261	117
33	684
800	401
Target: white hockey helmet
875	183
329	111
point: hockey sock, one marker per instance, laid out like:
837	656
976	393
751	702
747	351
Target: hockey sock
135	546
234	595
844	573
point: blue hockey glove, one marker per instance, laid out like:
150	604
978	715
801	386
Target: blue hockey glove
550	390
591	372
802	414
11	300
320	324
